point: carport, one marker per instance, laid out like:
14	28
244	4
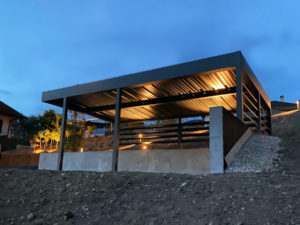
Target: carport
173	92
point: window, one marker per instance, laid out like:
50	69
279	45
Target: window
1	122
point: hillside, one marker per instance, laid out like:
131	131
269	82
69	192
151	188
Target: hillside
51	197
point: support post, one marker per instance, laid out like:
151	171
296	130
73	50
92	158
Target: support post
116	140
239	93
62	135
216	140
259	114
270	120
179	132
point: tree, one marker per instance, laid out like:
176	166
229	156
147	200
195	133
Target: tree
26	128
48	119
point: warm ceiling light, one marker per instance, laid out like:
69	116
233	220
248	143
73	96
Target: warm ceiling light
218	86
140	135
145	147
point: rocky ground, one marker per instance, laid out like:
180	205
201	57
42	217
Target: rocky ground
51	197
259	153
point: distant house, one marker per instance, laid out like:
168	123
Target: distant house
282	106
7	115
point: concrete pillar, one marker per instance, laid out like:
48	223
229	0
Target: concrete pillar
62	135
216	141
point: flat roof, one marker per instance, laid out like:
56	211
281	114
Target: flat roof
186	89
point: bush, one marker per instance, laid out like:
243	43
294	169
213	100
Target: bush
11	143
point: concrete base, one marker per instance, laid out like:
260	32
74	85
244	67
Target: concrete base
226	137
85	161
189	161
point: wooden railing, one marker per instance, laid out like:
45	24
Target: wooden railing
165	133
255	111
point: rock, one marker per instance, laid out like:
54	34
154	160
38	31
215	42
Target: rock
68	215
85	208
38	222
183	184
68	185
30	216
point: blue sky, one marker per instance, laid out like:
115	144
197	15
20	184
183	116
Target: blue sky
46	45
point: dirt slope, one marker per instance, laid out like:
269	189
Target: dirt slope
288	129
45	197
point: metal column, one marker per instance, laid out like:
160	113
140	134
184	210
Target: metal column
239	93
179	132
259	114
115	154
62	135
270	120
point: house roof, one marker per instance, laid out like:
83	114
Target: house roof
187	89
8	111
283	106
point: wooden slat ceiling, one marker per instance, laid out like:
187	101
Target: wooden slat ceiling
184	85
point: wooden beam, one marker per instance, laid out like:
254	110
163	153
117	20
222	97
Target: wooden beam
116	140
62	135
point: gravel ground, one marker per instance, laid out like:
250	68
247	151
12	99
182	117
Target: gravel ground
268	197
259	153
51	197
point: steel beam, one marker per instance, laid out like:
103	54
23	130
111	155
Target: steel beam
179	132
116	140
239	93
206	94
75	107
62	135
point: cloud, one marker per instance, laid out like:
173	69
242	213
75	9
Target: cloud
5	92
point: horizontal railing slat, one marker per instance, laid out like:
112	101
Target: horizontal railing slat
165	125
164	131
163	136
168	141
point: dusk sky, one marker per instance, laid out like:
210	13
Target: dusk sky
46	45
